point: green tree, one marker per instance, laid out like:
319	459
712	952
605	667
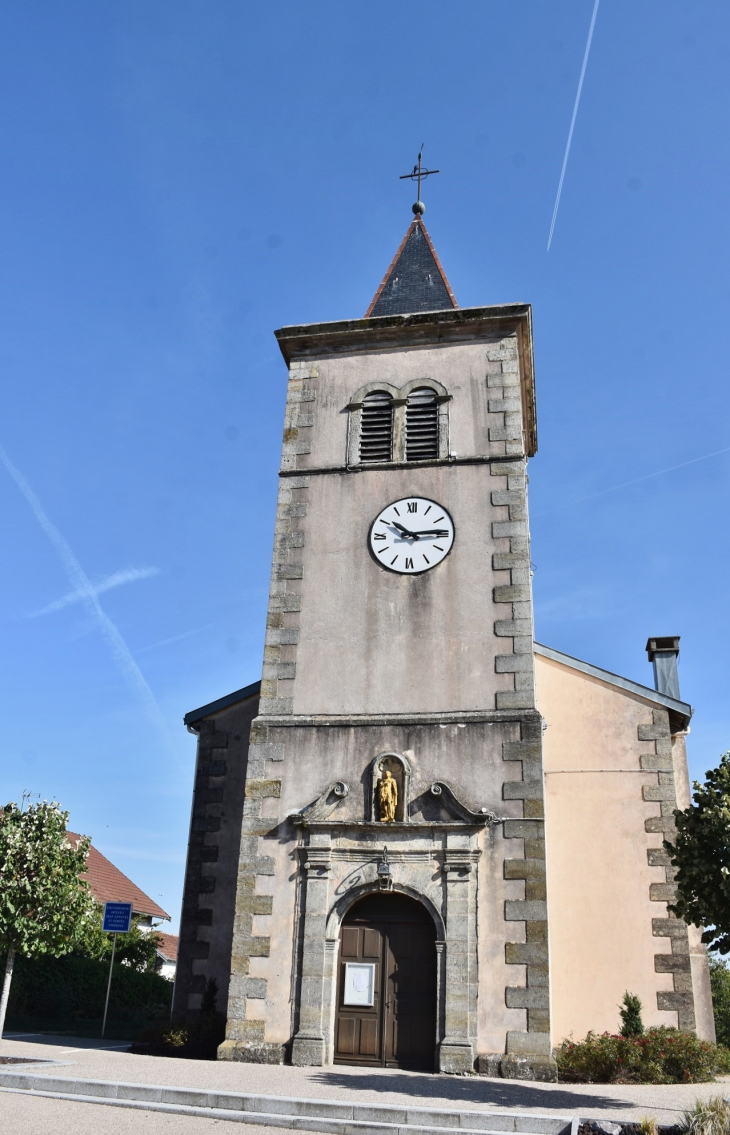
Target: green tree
45	908
137	949
720	985
631	1022
701	858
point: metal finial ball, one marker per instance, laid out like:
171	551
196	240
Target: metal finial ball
419	209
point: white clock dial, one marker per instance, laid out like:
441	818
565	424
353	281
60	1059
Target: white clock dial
411	535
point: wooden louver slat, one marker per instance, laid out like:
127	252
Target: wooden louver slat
376	429
422	425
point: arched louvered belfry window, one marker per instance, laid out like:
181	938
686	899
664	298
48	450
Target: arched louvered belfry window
422	425
376	427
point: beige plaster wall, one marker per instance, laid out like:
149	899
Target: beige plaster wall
461	368
598	879
419	646
494	1019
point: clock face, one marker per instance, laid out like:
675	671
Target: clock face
411	535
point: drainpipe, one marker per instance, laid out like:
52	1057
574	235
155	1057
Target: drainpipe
664	652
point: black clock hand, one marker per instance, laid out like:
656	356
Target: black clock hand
404	531
431	532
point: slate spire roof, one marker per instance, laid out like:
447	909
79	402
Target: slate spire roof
415	280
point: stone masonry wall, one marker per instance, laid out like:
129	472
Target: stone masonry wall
206	925
245	1032
681	999
532	910
282	624
516	632
503	381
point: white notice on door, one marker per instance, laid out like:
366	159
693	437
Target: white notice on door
359	984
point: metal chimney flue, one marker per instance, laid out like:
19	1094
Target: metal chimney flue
663	653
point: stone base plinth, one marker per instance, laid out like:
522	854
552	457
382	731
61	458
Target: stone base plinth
526	1066
252	1052
307	1051
456	1057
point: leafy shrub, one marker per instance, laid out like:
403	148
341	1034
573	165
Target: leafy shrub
74	988
137	949
631	1022
708	1117
700	857
720	984
660	1056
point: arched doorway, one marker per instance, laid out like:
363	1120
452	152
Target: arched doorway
386	985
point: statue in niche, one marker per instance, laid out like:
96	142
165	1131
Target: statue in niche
387	797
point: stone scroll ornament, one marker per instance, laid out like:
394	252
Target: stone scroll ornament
459	811
323	806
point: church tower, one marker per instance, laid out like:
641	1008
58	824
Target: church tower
390	902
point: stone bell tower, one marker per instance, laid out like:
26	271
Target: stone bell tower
403	925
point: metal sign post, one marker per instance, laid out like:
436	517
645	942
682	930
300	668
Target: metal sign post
117	920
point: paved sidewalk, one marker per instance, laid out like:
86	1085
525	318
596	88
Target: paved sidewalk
88	1059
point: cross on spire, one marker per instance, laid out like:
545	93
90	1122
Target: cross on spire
418	174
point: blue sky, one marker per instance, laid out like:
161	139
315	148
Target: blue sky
180	179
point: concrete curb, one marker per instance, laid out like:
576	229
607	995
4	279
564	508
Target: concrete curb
304	1114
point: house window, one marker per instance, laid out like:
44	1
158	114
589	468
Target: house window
422	425
376	427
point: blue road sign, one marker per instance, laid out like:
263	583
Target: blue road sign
117	917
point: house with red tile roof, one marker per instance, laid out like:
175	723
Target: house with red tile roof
167	955
109	884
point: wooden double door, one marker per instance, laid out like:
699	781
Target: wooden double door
386	996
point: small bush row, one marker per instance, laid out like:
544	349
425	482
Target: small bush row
656	1056
73	988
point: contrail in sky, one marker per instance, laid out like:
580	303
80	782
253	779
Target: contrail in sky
177	637
625	484
129	575
572	121
83	585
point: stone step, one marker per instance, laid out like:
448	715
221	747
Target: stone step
335	1117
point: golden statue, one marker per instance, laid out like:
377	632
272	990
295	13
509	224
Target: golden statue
387	797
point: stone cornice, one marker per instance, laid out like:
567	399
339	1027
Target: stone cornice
345	721
392	829
368	467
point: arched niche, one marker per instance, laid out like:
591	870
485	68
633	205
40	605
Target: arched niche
337	916
399	768
338	911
